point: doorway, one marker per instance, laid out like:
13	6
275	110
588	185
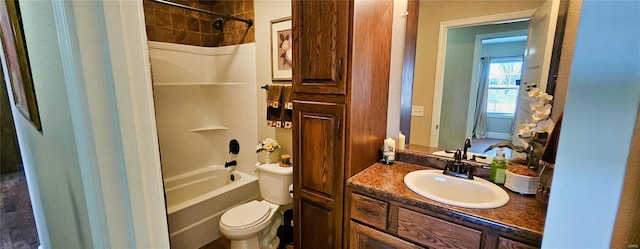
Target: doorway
17	224
498	83
461	103
500	70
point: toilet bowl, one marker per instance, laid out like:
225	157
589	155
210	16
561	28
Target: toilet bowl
242	224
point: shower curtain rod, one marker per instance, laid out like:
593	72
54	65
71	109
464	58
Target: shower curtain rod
249	22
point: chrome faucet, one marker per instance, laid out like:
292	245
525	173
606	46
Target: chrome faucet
467	144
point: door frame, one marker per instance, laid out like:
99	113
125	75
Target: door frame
473	94
119	162
515	16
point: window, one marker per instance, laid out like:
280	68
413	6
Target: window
503	90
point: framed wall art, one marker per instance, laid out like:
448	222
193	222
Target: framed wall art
281	49
17	61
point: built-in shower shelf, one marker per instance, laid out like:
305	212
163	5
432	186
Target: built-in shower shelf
199	84
210	128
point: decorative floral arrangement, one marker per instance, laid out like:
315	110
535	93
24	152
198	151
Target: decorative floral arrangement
541	116
268	145
534	132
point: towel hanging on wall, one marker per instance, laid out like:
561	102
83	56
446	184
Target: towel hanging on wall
287	110
274	106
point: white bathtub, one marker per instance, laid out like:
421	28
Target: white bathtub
196	200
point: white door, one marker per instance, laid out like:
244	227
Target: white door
537	59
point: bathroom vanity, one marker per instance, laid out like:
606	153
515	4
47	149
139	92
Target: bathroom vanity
384	212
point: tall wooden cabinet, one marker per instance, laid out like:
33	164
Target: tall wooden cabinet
341	85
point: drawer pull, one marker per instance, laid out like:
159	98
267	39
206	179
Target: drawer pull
367	212
339	128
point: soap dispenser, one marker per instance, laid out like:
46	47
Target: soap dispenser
498	167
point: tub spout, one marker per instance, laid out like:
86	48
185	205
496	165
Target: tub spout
231	163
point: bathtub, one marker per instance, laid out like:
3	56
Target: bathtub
196	200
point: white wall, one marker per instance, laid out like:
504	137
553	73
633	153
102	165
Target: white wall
601	109
50	158
265	12
504	49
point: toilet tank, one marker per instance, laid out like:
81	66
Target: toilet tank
274	182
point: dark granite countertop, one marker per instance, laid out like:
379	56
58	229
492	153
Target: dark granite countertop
522	216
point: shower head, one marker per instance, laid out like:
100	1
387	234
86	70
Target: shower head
219	24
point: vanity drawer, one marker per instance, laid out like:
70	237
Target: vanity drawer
434	232
504	243
369	210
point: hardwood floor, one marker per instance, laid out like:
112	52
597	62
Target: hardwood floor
17	225
220	243
224	243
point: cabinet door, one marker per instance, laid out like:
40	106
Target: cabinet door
320	38
363	237
318	174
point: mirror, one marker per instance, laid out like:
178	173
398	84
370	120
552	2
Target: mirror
452	37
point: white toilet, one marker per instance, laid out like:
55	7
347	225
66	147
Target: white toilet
242	224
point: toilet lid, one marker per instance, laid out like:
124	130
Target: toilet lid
246	215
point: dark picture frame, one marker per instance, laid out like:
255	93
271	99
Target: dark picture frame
16	62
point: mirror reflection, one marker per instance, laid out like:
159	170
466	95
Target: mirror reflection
472	57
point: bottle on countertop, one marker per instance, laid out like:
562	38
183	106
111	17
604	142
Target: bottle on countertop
498	167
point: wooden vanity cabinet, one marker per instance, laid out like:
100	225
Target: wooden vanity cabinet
380	223
340	83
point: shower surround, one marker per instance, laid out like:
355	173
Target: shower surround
204	97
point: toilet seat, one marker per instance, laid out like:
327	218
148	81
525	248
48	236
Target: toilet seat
246	215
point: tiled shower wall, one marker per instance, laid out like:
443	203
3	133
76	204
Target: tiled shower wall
166	23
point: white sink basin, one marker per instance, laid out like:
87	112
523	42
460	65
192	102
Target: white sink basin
476	193
470	155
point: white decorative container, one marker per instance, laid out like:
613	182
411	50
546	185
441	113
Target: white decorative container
521	184
269	156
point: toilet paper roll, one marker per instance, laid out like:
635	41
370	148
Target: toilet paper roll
291	190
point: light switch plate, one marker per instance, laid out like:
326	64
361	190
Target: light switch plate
417	111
